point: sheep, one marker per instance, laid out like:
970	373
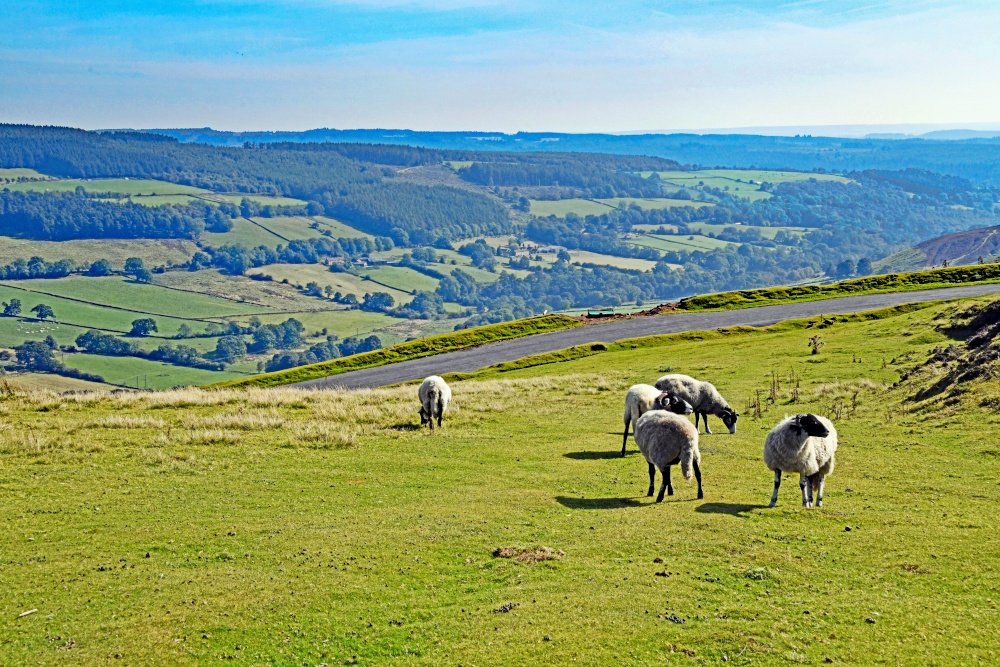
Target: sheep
665	439
804	444
642	398
703	397
434	396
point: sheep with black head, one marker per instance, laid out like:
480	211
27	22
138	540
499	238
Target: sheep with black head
641	398
805	444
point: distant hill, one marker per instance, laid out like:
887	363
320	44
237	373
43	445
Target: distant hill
976	158
957	249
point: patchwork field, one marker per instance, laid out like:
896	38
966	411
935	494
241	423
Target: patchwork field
744	183
679	243
144	374
245	233
401	278
293	527
346	283
124	186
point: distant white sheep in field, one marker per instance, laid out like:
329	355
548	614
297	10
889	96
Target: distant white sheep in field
666	439
703	397
435	395
641	398
805	444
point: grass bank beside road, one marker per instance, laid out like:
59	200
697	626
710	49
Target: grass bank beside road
412	350
890	282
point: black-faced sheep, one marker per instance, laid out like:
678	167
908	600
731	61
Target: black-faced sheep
641	398
666	439
434	396
703	397
805	444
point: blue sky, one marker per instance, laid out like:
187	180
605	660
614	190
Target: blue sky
483	64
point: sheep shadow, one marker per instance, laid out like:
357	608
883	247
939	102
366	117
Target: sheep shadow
599	455
733	509
598	503
406	426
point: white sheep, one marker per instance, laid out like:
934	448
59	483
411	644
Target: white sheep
703	397
434	396
805	444
641	398
666	439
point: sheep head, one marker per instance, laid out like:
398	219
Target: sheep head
729	417
670	403
810	425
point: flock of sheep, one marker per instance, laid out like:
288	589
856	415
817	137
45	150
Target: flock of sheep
805	443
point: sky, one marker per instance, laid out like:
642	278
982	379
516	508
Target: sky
511	65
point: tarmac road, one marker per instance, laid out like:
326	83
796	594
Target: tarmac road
471	359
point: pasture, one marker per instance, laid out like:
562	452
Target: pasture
84	252
345	283
743	183
401	278
291	527
246	233
144	373
125	186
679	243
585	207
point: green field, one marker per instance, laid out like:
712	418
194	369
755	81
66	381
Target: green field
340	230
742	183
400	277
127	186
256	293
293	228
83	252
586	257
462	262
89	315
46	382
584	207
245	233
295	527
151	374
679	243
162	200
118	292
14	174
263	200
342	323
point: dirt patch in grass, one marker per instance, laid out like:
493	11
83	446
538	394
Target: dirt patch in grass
528	555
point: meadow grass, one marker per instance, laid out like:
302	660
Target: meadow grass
891	282
340	230
679	243
214	283
293	228
294	527
584	207
340	322
16	173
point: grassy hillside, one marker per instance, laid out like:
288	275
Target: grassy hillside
291	527
892	282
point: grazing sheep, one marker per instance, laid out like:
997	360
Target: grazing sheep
434	397
665	439
703	397
804	444
641	398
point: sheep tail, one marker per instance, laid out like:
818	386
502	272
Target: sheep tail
434	398
689	452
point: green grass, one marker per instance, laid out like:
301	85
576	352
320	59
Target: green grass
911	259
243	233
14	174
892	282
737	182
586	257
339	229
119	292
584	207
263	200
400	277
455	340
293	527
341	322
162	200
88	315
152	374
293	228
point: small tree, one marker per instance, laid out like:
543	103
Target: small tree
143	276
101	267
51	342
230	348
133	265
35	356
43	312
378	302
815	343
865	266
184	331
143	327
12	308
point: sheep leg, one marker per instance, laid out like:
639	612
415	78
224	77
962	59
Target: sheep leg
625	439
697	476
652	478
697	416
666	484
440	408
704	418
818	477
777	483
807	492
